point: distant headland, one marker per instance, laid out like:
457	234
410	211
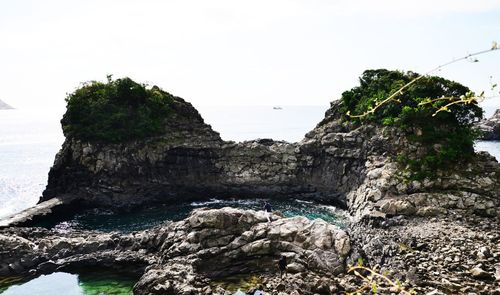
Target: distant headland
4	106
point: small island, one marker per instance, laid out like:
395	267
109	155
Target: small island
4	106
422	207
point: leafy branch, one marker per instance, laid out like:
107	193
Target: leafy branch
395	94
374	279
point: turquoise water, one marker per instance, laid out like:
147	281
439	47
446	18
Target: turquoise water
152	216
61	283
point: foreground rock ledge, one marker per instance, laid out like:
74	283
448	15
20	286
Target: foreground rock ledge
455	253
183	257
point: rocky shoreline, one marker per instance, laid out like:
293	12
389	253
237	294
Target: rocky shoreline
438	235
182	257
449	254
348	165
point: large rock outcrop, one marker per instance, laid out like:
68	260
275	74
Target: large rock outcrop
191	161
184	257
454	254
349	165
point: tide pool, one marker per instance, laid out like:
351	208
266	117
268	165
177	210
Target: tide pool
62	283
158	214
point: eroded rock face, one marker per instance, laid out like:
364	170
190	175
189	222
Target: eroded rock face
348	165
213	244
183	257
474	188
340	163
191	161
491	127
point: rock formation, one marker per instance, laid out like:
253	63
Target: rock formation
491	127
437	235
183	257
191	161
454	254
348	165
344	164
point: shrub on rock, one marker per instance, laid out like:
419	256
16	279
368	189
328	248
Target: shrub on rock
116	111
432	112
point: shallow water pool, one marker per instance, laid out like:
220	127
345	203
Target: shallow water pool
62	283
152	216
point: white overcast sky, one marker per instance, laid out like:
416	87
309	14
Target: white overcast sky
231	52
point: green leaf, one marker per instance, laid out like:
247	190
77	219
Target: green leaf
374	288
360	261
398	283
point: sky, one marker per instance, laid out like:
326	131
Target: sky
231	52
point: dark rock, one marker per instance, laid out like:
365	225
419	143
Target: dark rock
339	163
47	267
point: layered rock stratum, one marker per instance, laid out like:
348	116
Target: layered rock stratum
349	165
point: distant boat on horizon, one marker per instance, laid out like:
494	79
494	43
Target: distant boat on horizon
277	108
4	106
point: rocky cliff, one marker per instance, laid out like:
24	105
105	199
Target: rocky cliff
349	165
491	127
190	161
439	234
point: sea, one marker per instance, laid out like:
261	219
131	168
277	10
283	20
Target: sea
30	139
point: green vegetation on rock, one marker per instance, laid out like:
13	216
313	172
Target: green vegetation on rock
119	110
447	136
